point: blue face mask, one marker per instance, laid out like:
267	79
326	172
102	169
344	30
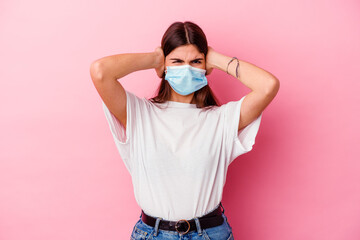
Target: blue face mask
185	79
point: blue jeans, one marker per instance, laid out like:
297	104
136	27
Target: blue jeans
142	231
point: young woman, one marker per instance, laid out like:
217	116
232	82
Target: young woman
178	145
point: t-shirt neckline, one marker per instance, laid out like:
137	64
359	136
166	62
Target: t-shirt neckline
180	104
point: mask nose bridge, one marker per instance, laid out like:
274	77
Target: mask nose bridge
187	68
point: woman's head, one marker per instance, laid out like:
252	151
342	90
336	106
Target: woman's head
185	43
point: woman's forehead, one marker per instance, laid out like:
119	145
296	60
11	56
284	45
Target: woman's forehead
188	51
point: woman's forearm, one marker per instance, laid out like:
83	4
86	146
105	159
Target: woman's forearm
253	77
120	65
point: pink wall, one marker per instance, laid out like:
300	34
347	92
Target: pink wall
61	176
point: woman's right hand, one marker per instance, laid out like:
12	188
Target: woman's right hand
159	62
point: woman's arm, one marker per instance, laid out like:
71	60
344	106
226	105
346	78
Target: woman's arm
263	84
120	65
105	72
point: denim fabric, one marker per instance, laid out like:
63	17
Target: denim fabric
142	231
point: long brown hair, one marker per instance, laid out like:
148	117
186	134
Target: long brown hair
178	34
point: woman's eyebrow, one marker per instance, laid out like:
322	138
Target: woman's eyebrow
181	60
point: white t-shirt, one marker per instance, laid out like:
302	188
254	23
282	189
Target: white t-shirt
178	155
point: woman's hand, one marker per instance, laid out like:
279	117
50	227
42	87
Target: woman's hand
159	61
209	60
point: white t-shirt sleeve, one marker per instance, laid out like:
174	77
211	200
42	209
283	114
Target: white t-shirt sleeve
124	139
239	142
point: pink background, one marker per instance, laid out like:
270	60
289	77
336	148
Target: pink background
61	176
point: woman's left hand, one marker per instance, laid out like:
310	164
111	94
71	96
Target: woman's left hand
209	60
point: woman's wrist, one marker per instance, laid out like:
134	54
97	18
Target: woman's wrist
220	61
158	60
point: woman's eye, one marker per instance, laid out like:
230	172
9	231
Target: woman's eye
179	61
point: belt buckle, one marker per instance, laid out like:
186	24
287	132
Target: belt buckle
176	226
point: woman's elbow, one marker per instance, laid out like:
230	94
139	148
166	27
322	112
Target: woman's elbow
96	70
273	86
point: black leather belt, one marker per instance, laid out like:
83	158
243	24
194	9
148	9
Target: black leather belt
183	226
